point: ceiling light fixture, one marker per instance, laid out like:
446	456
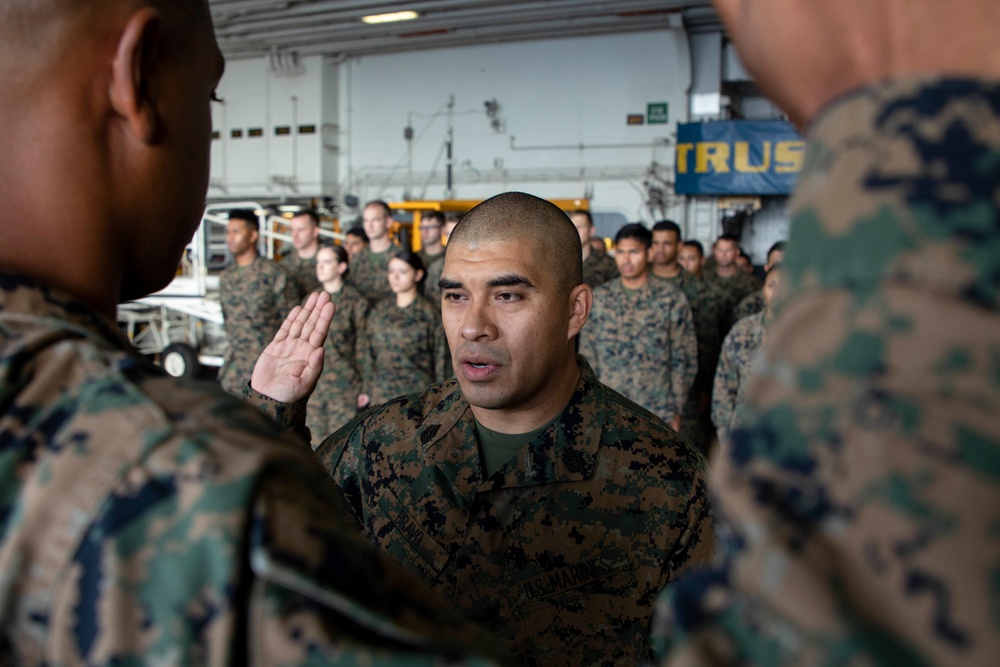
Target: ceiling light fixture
391	17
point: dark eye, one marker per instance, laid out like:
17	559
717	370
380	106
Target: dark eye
508	296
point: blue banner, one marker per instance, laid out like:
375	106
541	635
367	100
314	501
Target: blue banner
738	158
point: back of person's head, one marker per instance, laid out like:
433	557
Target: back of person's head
358	232
697	246
636	231
516	215
248	216
668	226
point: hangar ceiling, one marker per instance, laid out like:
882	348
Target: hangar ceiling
252	28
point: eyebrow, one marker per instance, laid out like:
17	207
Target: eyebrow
504	280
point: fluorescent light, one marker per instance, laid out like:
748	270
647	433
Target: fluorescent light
389	18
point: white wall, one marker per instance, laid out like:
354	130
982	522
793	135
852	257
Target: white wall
555	96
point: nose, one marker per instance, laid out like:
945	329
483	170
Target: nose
476	321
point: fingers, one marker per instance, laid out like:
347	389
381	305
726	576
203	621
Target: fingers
286	326
317	323
322	326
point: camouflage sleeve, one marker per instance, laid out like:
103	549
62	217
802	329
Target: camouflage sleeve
286	297
359	315
443	370
725	390
366	354
683	351
860	492
289	416
322	593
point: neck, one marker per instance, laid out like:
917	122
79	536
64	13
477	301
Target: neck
434	250
550	402
379	245
404	299
246	258
637	282
671	270
334	285
726	271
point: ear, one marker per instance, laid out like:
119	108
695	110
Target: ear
650	254
581	299
420	275
133	90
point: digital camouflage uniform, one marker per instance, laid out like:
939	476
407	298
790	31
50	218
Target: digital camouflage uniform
862	491
406	350
599	268
739	351
731	291
562	551
147	520
750	305
302	273
335	399
706	309
431	290
255	301
642	343
370	273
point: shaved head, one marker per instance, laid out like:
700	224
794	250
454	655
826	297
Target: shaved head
516	215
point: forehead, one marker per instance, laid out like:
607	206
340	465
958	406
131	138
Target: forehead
476	264
301	221
664	235
579	219
375	212
725	244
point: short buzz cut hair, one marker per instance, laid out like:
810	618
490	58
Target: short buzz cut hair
518	215
384	206
668	226
433	215
248	216
585	213
731	238
636	231
308	213
699	248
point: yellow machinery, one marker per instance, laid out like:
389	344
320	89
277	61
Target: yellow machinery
460	206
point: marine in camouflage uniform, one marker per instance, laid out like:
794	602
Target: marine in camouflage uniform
562	551
731	291
706	310
862	491
739	351
369	271
302	273
146	520
750	305
335	399
642	343
255	300
406	350
599	268
431	290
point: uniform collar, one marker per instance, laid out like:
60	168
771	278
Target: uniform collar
564	452
26	304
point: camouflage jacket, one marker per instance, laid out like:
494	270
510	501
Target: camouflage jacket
706	309
255	301
431	290
146	520
731	291
642	343
406	349
370	274
750	305
862	490
302	273
563	550
430	259
599	268
335	399
739	351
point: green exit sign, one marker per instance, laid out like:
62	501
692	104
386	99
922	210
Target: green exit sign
657	112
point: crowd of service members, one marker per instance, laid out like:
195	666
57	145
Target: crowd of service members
672	329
